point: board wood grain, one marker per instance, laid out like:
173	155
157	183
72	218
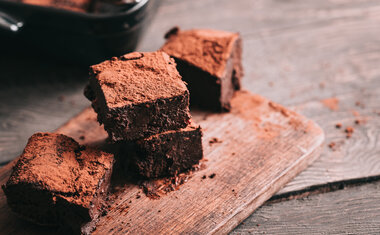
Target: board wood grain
351	158
352	210
261	147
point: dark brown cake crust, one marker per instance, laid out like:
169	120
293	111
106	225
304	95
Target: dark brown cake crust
57	182
138	95
210	62
165	154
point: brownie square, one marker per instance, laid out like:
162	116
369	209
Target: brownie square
165	154
209	62
57	182
71	5
138	95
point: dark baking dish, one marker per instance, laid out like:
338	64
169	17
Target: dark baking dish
84	38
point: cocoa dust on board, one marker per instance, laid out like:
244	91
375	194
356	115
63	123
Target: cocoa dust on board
279	108
256	109
331	103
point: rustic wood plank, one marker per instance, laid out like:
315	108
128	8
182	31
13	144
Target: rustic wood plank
263	146
356	157
354	210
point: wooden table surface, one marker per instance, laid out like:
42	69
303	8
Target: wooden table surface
320	58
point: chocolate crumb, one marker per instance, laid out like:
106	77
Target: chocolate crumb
204	177
212	176
159	211
214	140
349	130
138	196
332	146
338	125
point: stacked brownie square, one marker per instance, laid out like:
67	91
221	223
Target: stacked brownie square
144	106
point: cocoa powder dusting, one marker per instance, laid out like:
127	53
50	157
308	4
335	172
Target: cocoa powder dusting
355	113
202	48
59	164
278	108
137	78
331	103
296	123
256	108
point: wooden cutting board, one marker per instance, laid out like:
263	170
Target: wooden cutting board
259	147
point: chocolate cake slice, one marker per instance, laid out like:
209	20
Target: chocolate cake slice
57	182
138	95
209	62
165	154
